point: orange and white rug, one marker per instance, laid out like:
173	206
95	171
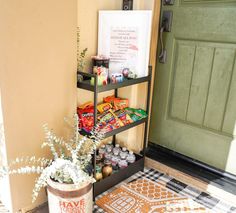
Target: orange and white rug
144	195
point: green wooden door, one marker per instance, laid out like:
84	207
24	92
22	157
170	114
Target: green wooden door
194	103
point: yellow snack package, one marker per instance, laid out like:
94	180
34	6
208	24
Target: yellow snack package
104	107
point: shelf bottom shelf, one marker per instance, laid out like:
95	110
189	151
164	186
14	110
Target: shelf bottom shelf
108	182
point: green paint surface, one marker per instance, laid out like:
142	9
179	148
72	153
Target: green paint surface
194	101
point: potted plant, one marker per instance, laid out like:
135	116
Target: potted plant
67	175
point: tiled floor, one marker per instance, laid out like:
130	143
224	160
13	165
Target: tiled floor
214	204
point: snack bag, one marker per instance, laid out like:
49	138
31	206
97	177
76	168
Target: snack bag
86	105
104	107
141	113
133	116
121	104
109	121
124	117
110	99
86	115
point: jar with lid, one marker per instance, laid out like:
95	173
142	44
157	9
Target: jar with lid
116	150
109	147
102	151
122	164
98	175
107	168
131	157
123	153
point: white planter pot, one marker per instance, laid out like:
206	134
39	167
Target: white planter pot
66	198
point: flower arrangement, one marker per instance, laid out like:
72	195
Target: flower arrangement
70	162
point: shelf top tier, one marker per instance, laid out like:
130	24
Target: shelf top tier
85	84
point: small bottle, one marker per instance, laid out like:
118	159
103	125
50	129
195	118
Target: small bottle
98	160
108	155
102	151
123	153
123	164
114	162
109	147
107	168
98	175
116	150
131	157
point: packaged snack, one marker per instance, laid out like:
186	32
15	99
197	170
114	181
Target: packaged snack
134	117
123	116
109	121
136	114
141	113
104	107
121	104
117	78
86	115
110	99
86	105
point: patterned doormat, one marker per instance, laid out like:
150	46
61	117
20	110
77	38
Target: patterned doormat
151	191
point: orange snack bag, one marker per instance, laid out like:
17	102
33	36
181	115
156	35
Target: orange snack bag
121	104
86	105
110	99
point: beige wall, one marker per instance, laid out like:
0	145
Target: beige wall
88	22
37	78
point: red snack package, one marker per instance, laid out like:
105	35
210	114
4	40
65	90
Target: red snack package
86	115
110	99
121	104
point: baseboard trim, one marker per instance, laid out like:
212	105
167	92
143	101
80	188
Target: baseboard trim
192	167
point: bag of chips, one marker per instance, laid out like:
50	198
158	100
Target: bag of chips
121	104
86	116
110	99
104	107
109	121
123	116
136	114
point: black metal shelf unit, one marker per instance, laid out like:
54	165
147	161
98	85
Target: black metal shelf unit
138	165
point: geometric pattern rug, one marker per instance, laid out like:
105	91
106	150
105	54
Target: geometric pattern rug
151	191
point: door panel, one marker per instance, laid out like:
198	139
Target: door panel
194	103
202	81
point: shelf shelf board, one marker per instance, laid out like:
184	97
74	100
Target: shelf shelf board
128	82
121	129
108	182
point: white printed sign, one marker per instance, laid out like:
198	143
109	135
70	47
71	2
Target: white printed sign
124	37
